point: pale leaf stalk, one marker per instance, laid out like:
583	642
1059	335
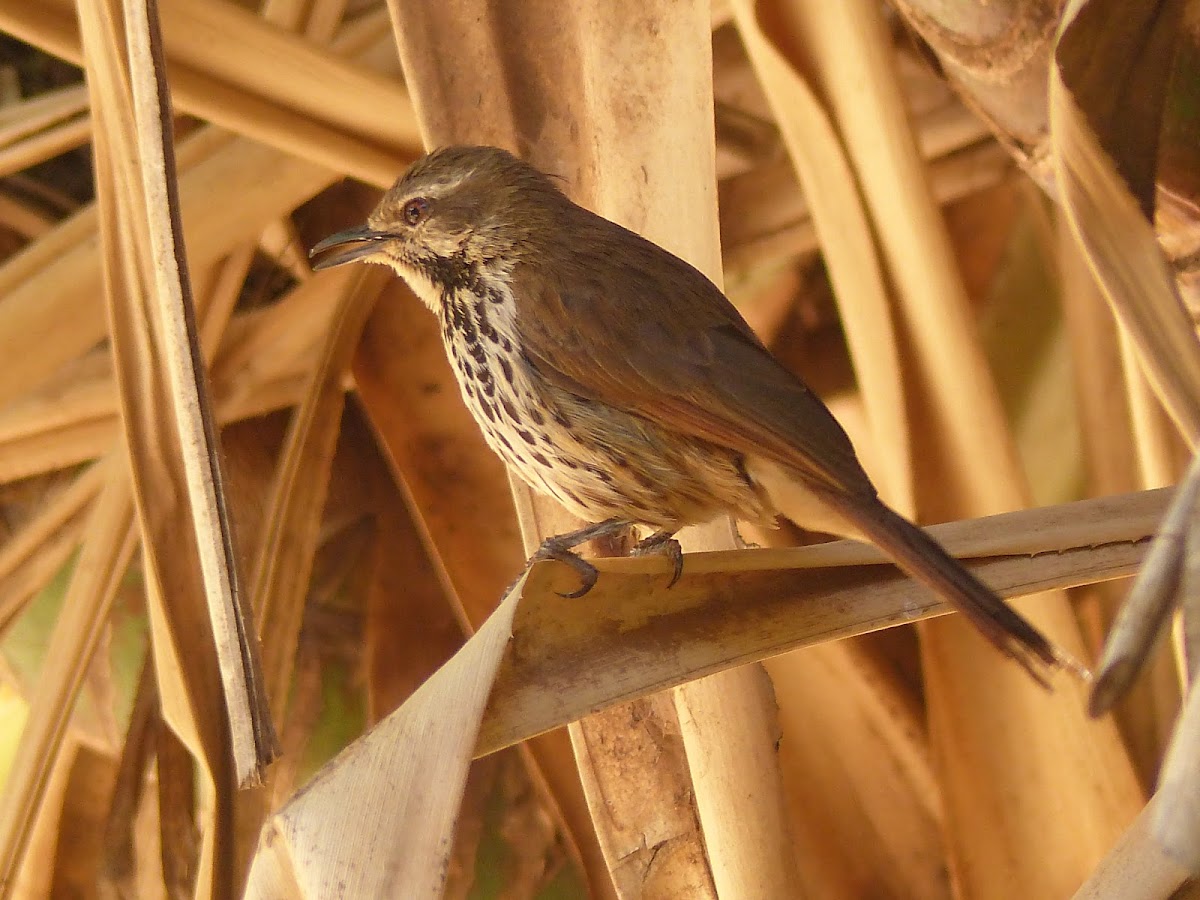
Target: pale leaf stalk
1147	609
1188	620
1137	867
1155	437
254	743
20	120
996	833
1175	813
42	145
226	191
264	358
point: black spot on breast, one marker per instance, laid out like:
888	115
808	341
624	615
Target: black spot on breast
506	344
469	389
569	463
509	408
489	386
504	441
484	323
488	410
561	419
507	369
458	315
599	473
495	295
535	415
477	351
527	437
539	458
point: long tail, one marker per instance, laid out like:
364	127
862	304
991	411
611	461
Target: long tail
924	559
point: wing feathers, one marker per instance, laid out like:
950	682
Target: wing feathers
674	350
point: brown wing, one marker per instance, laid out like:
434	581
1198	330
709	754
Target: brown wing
674	350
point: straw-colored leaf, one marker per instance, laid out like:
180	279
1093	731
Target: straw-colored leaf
284	559
175	343
844	232
226	188
54	516
1145	613
1137	867
108	545
729	608
905	762
386	784
222	81
783	599
1106	181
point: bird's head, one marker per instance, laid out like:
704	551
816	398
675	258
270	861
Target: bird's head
452	215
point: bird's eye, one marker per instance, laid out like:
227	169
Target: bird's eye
415	210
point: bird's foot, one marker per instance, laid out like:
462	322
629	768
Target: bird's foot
561	547
552	549
662	542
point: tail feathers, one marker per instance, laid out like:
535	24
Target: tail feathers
924	559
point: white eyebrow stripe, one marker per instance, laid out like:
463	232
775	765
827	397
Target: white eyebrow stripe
440	188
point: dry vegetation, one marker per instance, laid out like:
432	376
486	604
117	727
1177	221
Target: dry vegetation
973	228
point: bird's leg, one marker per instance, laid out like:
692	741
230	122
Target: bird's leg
662	542
561	547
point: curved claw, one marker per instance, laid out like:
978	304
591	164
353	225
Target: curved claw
553	548
662	542
587	581
675	554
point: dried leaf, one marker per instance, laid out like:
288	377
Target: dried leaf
175	342
1146	610
1104	167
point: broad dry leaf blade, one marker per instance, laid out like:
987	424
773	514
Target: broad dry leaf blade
732	608
378	821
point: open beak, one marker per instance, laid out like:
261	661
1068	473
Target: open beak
346	246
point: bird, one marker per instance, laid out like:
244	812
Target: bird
618	379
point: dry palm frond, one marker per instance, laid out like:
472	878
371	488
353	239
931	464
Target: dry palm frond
876	229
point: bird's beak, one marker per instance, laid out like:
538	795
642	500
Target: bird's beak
347	246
